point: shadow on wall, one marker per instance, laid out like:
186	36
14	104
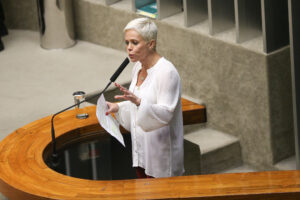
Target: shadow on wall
192	157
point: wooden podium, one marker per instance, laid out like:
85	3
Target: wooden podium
24	174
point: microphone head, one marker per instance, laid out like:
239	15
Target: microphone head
119	70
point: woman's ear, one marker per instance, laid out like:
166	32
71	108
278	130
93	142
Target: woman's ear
152	44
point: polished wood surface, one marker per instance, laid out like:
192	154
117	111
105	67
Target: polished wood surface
193	113
24	174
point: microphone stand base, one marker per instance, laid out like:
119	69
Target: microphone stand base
54	162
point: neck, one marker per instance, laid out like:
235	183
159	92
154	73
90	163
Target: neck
150	60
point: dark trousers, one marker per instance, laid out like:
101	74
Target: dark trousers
140	172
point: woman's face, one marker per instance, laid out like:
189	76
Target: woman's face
137	48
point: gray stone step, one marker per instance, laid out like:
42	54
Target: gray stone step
239	169
219	151
286	164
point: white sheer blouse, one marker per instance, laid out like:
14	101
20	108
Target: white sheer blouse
156	125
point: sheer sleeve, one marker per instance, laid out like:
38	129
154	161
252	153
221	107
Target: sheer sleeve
123	115
153	116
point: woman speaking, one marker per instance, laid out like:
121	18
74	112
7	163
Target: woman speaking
152	111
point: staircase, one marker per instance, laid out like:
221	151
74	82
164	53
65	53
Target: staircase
208	151
217	151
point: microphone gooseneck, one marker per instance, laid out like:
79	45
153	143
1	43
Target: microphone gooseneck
54	160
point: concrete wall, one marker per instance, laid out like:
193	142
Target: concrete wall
280	104
247	93
21	14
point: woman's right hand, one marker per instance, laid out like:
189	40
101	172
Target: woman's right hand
112	108
127	95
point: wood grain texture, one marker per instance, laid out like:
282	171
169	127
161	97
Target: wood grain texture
24	175
192	113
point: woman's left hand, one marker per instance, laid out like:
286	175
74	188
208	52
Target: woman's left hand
127	95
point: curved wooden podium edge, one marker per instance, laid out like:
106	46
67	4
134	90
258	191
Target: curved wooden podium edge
24	174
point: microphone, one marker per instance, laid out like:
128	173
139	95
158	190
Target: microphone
54	161
119	70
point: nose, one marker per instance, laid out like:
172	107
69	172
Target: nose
129	47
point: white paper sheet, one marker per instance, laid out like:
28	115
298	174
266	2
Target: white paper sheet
107	121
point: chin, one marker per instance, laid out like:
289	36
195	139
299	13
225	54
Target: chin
133	59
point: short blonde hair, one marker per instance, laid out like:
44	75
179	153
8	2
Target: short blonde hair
145	27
